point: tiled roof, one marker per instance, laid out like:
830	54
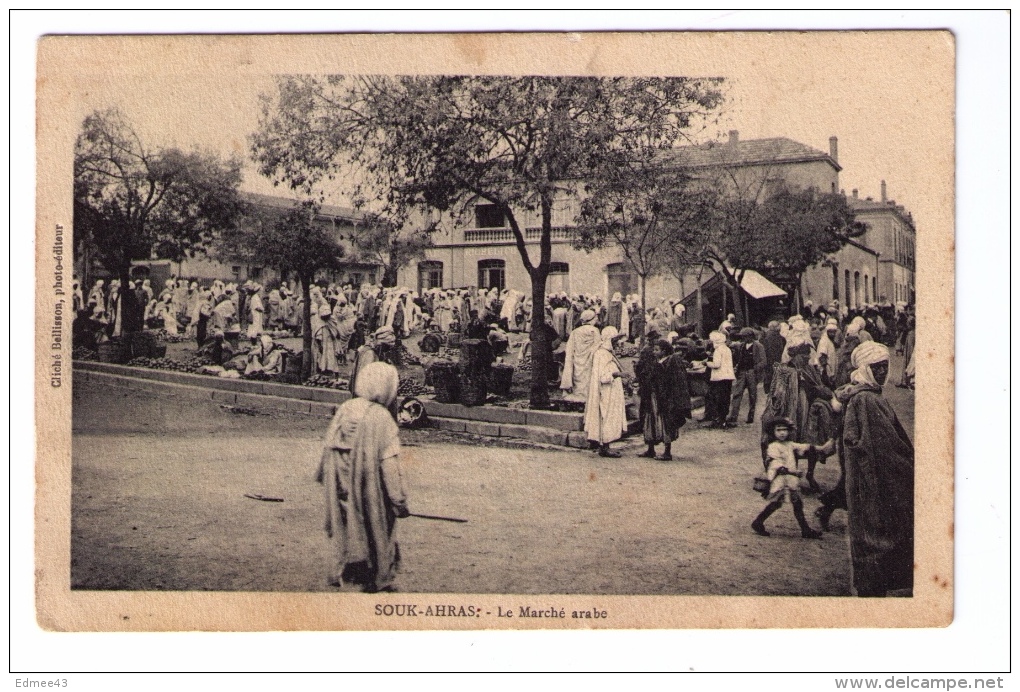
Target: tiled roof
288	203
861	204
746	153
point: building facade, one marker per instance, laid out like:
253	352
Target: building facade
479	249
892	234
206	268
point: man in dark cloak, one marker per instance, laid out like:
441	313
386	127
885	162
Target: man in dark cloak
879	463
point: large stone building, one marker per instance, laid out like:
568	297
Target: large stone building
204	267
479	250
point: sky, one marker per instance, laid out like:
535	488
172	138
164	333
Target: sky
879	94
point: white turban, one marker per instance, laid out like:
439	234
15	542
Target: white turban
863	357
608	334
717	338
588	316
377	382
856	325
869	353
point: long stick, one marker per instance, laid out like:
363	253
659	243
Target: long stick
436	518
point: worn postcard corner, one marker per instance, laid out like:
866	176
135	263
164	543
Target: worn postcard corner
447	332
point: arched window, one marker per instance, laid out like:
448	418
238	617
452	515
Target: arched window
430	275
874	288
867	286
846	289
857	289
492	274
835	282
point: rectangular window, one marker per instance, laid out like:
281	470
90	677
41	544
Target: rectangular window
430	275
874	288
559	278
489	216
492	274
846	289
835	282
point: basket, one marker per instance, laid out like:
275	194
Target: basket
143	344
501	379
158	351
453	339
430	343
473	392
445	378
113	352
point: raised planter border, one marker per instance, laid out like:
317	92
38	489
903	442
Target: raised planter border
498	415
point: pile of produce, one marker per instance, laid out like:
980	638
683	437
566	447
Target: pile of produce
411	387
82	353
192	365
161	335
407	358
327	382
625	349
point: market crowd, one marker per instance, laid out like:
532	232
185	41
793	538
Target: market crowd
819	375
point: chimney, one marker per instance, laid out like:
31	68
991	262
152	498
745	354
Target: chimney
734	136
883	192
834	149
855	193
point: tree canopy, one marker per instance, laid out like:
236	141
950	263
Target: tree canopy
377	240
447	142
292	241
133	203
789	232
655	215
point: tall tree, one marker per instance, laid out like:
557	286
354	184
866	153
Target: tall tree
783	235
652	213
451	142
293	242
134	203
378	240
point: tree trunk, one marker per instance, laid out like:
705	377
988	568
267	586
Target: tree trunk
733	283
389	277
306	327
700	297
541	353
126	303
644	282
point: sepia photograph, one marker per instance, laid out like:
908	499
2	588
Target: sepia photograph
476	331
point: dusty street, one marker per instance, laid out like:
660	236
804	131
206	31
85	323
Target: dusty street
159	503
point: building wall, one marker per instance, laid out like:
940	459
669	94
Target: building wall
895	240
747	181
817	282
889	276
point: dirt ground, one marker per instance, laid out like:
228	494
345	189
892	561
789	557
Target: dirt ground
158	503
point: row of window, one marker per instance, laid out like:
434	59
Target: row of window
564	213
852	297
903	248
491	274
